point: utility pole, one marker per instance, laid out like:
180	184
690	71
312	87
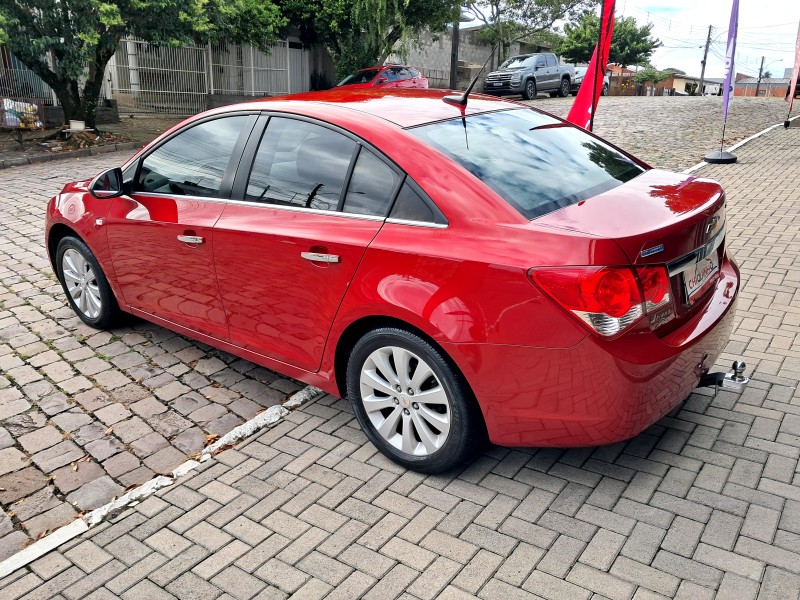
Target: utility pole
760	71
454	55
703	62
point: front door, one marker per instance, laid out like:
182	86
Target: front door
287	252
160	236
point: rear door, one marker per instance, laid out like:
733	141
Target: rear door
288	246
160	237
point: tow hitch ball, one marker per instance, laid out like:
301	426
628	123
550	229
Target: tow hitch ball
734	381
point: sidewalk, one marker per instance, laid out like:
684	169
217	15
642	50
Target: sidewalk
704	503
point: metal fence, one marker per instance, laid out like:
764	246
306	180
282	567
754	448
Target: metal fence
24	83
150	79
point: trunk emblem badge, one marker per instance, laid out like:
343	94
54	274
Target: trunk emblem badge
651	251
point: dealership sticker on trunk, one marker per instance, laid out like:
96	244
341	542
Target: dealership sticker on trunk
699	276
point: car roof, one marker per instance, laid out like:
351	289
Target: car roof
403	107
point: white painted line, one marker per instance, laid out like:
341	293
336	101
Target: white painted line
64	534
739	144
136	495
42	547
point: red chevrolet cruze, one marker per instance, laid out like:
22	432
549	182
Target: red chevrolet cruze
454	271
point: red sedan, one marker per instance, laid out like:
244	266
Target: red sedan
391	76
454	271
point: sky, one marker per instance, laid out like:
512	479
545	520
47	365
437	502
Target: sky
767	28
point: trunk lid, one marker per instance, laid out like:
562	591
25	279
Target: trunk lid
656	218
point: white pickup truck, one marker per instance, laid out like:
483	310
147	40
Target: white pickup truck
530	75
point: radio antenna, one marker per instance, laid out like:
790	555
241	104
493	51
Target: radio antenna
462	99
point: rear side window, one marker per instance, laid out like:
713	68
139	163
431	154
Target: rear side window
193	162
535	162
551	60
371	186
410	206
300	164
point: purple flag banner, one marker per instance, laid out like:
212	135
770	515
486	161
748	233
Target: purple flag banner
730	69
795	73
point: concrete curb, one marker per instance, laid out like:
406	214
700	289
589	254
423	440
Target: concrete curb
739	144
268	418
42	158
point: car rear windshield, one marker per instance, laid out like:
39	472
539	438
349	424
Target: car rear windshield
364	76
537	163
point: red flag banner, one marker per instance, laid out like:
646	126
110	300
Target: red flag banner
588	96
793	83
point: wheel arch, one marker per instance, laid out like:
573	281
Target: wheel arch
358	328
57	233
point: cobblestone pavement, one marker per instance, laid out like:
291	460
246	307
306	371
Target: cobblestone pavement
705	502
674	132
86	414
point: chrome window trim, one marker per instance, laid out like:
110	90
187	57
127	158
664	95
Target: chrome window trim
428	224
301	209
178	197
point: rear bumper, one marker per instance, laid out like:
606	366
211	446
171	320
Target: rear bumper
599	391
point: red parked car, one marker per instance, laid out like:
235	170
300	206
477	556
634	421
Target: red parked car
454	271
391	76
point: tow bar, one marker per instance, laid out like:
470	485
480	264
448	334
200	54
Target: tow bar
734	381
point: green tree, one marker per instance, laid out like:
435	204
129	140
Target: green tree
509	21
630	44
68	43
362	33
649	74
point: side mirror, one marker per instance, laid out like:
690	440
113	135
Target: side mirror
108	184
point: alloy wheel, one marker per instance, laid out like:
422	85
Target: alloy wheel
81	283
405	401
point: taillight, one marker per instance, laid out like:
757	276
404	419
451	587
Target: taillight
655	287
606	299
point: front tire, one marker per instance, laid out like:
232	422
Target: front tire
411	403
563	90
529	91
85	284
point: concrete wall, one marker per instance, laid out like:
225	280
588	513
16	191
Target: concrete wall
432	56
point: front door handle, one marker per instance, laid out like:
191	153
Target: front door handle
317	257
191	239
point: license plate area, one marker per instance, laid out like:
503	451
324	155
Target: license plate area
699	276
497	83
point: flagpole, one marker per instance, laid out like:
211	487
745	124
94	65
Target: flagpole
597	64
720	156
793	80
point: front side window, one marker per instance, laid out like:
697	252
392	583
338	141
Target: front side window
193	162
371	186
535	162
300	164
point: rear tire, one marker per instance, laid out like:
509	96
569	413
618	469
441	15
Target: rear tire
563	90
85	284
411	403
529	91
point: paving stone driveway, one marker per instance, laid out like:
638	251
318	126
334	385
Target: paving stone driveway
705	502
86	414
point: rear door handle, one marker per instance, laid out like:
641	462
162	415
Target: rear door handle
191	239
317	257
